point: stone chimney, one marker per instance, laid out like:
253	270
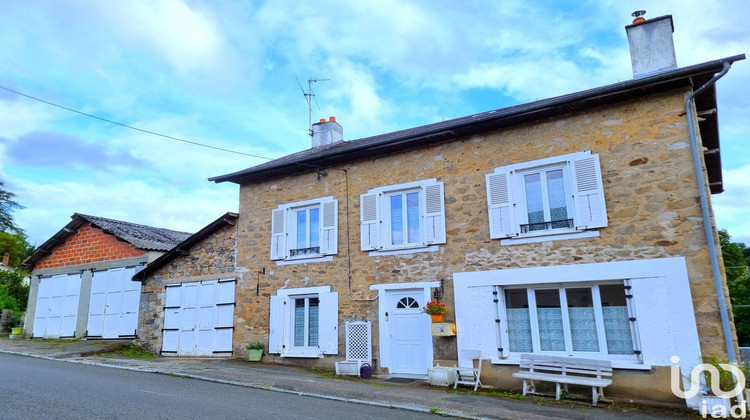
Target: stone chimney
325	133
651	44
6	258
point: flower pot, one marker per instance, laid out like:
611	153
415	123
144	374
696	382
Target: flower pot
254	355
437	318
16	330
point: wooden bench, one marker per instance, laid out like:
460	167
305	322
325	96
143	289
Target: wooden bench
565	371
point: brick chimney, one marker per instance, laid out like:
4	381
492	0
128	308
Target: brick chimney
6	258
651	44
325	133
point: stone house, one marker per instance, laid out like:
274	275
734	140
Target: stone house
568	226
187	306
81	277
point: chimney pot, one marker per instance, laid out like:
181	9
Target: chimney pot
638	15
6	258
332	119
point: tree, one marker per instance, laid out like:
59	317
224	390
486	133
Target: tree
7	206
738	282
13	292
17	245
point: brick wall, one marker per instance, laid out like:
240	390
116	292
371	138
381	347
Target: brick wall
649	185
90	244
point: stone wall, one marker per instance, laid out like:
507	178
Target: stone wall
89	245
650	190
211	259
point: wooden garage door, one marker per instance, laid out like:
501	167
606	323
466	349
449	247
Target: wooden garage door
56	310
113	308
199	318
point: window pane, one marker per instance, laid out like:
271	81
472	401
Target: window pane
412	214
616	319
397	221
549	313
299	322
314	228
519	324
302	229
534	201
313	319
582	319
558	207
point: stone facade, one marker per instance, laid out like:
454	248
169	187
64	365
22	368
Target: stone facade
651	199
210	259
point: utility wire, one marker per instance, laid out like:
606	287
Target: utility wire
134	128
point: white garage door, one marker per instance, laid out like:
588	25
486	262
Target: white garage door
199	318
56	310
113	308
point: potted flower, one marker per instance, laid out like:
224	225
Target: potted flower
436	310
16	326
255	351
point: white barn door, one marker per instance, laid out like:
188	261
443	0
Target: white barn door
57	306
113	307
199	318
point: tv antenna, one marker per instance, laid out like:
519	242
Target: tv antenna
309	96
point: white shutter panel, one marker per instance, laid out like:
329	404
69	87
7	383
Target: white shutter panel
500	205
329	323
588	192
276	325
329	211
278	234
171	332
434	227
370	222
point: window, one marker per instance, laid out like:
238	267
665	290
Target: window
304	231
404	216
304	322
577	320
559	195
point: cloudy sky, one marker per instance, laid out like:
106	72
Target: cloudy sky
223	73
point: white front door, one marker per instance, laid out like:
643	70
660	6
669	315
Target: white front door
56	310
409	333
199	318
113	308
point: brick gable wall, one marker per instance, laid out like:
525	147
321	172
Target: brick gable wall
90	244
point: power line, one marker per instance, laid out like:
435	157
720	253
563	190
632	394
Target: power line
134	128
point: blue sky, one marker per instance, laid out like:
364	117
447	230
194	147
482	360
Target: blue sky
223	73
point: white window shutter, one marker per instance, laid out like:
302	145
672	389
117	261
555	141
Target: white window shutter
329	323
369	221
278	234
276	325
329	210
500	205
434	227
588	192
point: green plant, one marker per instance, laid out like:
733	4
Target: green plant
434	307
726	379
255	346
134	351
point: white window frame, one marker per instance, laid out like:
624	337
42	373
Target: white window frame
603	352
507	204
375	213
281	322
284	230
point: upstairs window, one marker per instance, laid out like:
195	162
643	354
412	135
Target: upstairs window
304	231
559	195
403	217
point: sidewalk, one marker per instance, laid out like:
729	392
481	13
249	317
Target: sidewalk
416	395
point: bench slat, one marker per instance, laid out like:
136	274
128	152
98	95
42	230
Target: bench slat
574	380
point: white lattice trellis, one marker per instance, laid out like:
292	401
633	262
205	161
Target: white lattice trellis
358	348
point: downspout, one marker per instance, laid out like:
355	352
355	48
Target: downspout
723	311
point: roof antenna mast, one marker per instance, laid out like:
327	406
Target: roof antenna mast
309	96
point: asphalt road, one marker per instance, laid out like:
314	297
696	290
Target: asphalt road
32	388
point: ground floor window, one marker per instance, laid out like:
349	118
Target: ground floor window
306	318
303	322
576	319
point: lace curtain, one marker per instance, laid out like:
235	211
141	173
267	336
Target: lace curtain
617	328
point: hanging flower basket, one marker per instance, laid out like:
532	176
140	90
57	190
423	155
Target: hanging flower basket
436	310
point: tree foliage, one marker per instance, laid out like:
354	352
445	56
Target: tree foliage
17	245
13	293
7	206
736	260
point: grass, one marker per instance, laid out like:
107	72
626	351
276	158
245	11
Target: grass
133	351
323	372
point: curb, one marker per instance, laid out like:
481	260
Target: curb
251	385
